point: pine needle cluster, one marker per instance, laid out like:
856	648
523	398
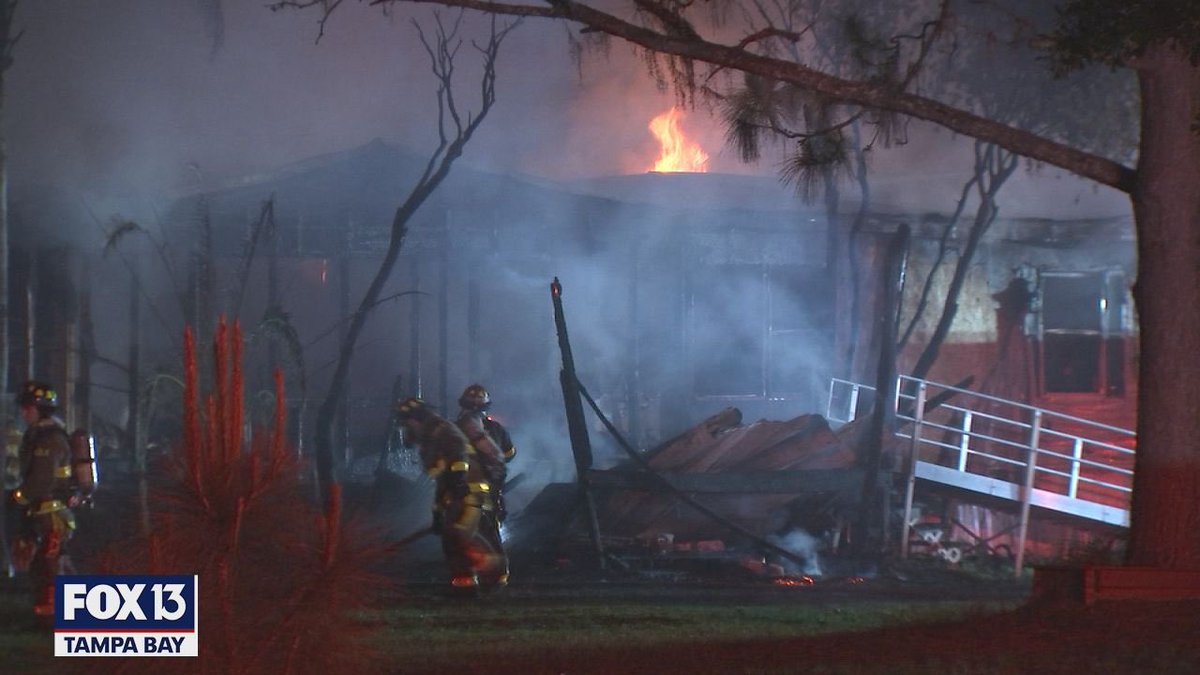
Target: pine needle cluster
281	580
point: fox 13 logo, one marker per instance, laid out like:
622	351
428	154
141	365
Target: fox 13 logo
126	615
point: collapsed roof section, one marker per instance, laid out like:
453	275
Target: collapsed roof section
765	478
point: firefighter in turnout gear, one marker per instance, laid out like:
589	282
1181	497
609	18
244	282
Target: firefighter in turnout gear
45	494
489	438
464	510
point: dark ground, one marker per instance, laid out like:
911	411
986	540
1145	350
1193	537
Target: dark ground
1124	637
1059	637
1039	636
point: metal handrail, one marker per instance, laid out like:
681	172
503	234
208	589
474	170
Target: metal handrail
974	394
1037	452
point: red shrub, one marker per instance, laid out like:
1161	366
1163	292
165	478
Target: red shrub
279	580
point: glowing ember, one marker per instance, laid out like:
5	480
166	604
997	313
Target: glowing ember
678	152
794	581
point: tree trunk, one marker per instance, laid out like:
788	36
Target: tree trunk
870	525
6	10
6	46
1165	521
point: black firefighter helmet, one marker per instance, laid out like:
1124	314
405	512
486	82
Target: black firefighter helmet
38	394
475	398
412	409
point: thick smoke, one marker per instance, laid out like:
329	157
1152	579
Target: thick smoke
124	106
130	95
804	545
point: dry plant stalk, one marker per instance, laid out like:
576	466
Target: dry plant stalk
280	580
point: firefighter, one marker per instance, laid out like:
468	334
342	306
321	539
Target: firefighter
489	438
45	495
464	512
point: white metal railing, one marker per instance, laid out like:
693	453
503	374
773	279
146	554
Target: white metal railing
1003	448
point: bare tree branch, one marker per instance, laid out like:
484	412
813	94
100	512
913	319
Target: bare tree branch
768	33
327	8
883	96
454	132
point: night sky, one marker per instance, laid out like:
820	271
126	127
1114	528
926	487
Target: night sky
130	93
130	96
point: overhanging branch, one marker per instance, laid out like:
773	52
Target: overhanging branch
873	95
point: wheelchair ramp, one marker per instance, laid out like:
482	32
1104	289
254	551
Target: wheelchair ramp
1045	499
1000	449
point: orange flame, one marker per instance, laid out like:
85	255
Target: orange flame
794	581
678	152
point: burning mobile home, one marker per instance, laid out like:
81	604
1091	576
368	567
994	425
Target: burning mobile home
691	293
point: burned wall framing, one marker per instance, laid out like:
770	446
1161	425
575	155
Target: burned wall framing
485	247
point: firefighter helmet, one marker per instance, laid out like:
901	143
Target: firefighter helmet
411	409
38	394
475	397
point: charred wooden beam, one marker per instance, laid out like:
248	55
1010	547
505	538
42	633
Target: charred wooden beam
581	445
716	424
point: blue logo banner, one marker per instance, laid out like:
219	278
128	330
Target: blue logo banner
126	615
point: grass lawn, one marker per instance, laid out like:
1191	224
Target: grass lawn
592	635
523	628
530	630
